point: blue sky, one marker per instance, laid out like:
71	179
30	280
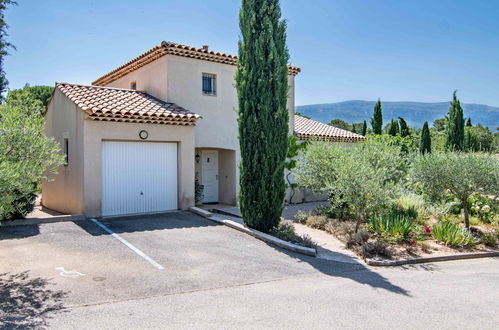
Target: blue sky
398	50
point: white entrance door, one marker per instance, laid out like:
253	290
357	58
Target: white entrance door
138	177
209	175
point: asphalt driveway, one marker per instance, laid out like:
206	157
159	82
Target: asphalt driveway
76	274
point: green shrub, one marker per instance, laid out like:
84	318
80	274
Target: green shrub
317	221
412	205
489	239
410	213
285	231
452	235
340	211
392	225
301	216
26	155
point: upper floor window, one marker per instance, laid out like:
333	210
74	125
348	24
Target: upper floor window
133	85
209	84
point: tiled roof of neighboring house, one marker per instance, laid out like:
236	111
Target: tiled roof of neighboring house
174	49
308	129
125	105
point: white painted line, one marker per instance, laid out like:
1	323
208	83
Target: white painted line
130	246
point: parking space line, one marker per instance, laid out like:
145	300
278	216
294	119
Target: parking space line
130	246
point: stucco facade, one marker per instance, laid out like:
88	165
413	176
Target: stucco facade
177	79
77	186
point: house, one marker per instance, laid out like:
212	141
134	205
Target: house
138	138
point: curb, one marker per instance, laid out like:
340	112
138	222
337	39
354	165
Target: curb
39	221
372	262
255	233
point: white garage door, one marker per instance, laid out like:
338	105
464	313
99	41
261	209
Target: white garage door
138	177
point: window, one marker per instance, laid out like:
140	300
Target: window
133	85
66	150
209	84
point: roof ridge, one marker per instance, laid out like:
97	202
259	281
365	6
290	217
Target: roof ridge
173	48
97	86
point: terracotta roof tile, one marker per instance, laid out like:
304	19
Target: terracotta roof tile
125	105
308	129
174	49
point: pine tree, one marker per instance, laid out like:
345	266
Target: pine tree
468	122
425	139
4	46
262	88
404	128
394	128
455	126
377	120
364	128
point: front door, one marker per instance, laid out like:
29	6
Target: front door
209	176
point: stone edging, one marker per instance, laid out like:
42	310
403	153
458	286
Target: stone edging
38	221
255	233
400	262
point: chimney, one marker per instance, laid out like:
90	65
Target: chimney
205	47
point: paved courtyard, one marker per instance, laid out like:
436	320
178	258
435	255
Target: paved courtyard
178	270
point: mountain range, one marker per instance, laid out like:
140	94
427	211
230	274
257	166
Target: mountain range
415	113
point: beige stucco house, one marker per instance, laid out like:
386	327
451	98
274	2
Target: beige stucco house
139	137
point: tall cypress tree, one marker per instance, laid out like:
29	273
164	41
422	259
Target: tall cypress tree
455	126
394	128
354	128
364	128
425	139
404	128
377	120
468	122
262	88
4	46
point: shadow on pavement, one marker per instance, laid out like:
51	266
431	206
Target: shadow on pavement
17	232
353	270
27	302
172	220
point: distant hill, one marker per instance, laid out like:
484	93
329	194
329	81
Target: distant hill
415	113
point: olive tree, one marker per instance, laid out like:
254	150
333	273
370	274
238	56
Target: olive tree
365	176
26	154
460	173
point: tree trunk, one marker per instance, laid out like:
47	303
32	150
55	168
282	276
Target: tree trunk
466	216
357	224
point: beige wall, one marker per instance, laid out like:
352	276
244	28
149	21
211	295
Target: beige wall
65	192
177	79
96	131
218	128
150	78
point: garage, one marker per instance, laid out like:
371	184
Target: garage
138	177
127	152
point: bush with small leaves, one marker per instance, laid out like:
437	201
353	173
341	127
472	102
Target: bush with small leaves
317	221
489	239
301	216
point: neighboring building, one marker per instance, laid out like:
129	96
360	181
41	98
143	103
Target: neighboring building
133	147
